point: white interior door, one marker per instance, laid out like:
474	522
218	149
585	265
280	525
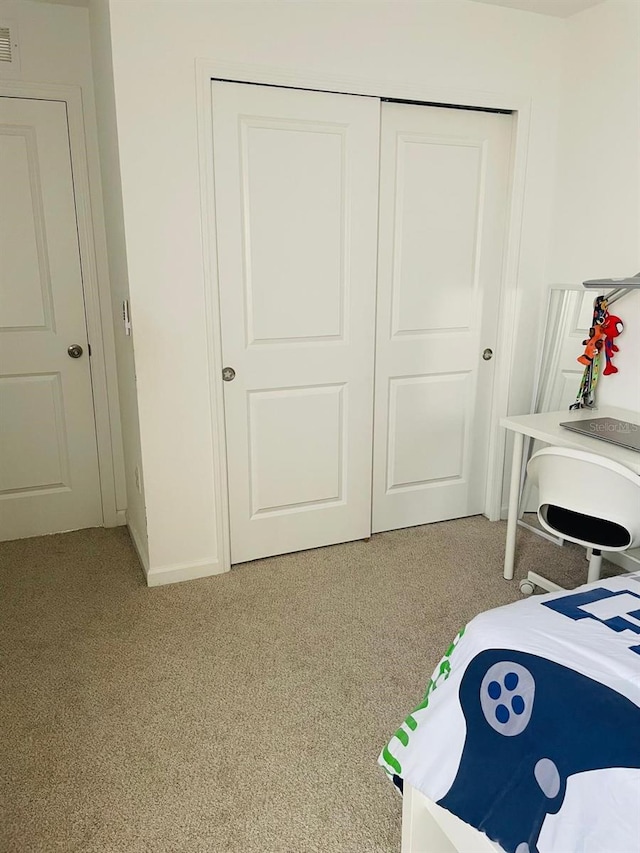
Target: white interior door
296	182
444	178
48	459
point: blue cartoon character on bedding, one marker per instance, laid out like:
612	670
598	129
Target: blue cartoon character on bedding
532	723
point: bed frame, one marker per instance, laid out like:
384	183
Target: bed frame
428	828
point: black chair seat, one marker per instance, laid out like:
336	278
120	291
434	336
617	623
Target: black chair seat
603	533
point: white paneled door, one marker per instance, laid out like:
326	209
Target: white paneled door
296	184
444	179
48	459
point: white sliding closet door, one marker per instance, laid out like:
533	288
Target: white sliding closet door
296	184
444	178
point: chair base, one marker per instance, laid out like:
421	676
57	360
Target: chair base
533	579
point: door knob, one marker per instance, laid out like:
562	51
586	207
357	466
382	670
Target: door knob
228	374
75	351
487	354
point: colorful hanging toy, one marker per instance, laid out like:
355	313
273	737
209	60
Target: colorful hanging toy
604	328
611	327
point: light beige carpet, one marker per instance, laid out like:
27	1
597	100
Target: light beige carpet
239	713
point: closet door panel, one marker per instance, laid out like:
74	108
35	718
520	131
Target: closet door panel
444	178
435	234
296	183
411	461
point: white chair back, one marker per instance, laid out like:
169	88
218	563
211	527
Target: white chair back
591	485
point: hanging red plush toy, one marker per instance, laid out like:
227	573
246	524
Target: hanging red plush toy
605	327
612	327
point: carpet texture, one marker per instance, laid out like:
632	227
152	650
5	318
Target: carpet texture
236	714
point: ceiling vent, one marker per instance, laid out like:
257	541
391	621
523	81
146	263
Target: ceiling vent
8	48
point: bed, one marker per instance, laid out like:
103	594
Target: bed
528	737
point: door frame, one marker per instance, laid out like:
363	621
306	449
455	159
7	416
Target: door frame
97	298
208	70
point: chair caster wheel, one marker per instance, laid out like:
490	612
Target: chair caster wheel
527	587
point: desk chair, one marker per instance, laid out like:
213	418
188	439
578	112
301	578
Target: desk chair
587	499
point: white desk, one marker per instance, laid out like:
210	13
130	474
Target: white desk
546	427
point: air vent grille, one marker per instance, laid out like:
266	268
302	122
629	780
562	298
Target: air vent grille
5	45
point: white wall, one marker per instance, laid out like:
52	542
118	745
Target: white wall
117	256
596	223
452	44
54	48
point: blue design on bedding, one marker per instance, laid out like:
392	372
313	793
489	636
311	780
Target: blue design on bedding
626	620
530	726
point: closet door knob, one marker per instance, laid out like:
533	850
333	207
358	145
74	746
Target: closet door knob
228	374
74	351
487	354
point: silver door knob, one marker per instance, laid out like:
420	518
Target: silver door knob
487	354
75	351
228	374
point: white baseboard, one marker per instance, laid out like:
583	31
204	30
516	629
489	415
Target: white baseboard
183	572
161	575
141	548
